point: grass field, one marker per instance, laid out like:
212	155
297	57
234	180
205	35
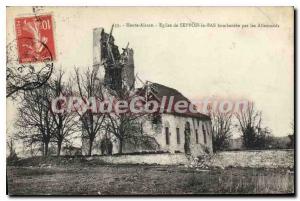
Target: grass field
145	179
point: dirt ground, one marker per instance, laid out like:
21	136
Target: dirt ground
145	179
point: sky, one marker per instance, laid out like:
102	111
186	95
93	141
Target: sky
252	63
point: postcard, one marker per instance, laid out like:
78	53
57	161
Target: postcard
150	101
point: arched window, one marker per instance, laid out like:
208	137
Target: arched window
187	136
178	135
207	128
204	133
167	134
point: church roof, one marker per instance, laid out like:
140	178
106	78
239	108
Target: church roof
158	91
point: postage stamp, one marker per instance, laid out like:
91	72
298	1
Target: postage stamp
35	41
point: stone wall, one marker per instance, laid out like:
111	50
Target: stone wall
173	122
264	158
162	159
253	159
158	137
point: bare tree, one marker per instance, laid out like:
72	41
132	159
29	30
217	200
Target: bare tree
65	124
254	135
35	121
89	86
221	127
291	136
127	125
12	149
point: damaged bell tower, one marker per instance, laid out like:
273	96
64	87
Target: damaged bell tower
114	69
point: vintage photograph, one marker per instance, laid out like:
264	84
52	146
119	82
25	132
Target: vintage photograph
150	101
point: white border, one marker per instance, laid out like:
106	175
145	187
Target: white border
153	3
107	3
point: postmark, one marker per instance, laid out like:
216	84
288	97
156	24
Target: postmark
30	56
26	76
35	41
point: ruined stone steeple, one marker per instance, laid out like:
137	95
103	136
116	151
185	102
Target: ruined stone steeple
114	69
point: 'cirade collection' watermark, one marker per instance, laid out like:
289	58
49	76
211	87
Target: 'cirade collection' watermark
139	104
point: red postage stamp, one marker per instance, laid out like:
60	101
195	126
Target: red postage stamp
35	39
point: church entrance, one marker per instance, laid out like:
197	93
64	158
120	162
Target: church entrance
106	146
187	138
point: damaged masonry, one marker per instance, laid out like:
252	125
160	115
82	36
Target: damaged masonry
168	132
